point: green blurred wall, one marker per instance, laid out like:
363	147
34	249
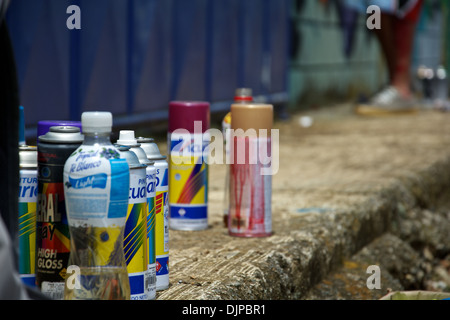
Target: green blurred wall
324	69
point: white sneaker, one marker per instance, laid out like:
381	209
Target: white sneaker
388	101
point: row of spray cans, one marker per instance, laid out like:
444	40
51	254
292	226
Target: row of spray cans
246	130
43	230
103	211
89	208
148	189
31	203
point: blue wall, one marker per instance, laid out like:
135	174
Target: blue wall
131	57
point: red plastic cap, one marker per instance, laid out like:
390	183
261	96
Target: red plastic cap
242	98
183	114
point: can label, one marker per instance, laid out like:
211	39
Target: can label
53	239
135	235
151	222
162	269
250	191
188	194
52	228
162	224
28	190
96	180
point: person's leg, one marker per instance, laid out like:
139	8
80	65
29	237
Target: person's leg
404	31
386	39
396	38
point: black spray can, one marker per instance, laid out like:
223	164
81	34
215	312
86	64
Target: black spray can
52	228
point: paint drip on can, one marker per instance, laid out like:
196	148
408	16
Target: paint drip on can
250	172
242	95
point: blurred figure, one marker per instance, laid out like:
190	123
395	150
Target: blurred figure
11	286
396	36
10	283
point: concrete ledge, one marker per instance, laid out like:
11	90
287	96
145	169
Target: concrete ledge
343	183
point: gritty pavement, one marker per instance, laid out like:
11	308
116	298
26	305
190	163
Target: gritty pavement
351	192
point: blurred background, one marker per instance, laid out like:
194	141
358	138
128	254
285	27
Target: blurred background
132	57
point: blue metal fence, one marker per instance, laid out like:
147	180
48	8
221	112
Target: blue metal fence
131	57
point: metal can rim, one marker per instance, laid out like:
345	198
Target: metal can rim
62	134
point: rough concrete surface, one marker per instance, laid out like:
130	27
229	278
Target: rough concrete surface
350	192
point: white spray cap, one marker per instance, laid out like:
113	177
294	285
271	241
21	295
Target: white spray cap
126	138
96	121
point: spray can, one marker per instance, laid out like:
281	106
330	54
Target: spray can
28	189
160	216
250	177
135	235
440	92
188	170
127	138
426	76
242	95
52	229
